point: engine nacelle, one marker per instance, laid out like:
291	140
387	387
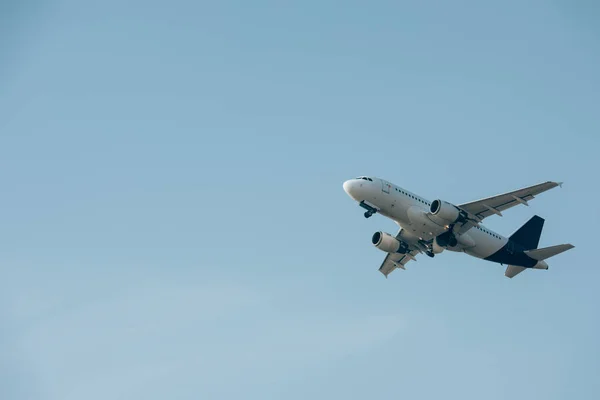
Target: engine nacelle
446	213
386	242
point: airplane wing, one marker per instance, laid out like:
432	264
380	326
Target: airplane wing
483	208
397	260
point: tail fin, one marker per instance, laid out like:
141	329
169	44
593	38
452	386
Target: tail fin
529	234
529	237
547	252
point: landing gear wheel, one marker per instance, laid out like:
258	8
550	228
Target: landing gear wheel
368	214
430	254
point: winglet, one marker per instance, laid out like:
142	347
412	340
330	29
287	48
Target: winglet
560	184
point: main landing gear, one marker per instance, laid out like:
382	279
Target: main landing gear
430	253
370	210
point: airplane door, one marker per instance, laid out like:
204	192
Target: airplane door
510	248
385	187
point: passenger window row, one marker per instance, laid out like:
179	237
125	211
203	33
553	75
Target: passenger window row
489	233
412	196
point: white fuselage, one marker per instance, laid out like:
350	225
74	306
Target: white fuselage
409	211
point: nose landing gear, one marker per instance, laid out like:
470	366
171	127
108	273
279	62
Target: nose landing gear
370	210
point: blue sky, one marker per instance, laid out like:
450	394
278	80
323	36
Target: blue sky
173	223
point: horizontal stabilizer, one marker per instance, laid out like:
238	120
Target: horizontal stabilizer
512	270
547	252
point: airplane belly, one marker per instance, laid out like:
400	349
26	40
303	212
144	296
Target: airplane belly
395	214
421	224
391	207
408	215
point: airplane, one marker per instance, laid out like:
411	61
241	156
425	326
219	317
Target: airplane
432	227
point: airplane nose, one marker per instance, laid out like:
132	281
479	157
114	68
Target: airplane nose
351	188
347	186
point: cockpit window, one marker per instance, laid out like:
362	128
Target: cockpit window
365	178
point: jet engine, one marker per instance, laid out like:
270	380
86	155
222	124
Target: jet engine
386	242
446	213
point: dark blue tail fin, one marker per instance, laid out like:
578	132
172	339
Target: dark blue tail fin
529	234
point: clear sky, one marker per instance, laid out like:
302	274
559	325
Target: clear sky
173	224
